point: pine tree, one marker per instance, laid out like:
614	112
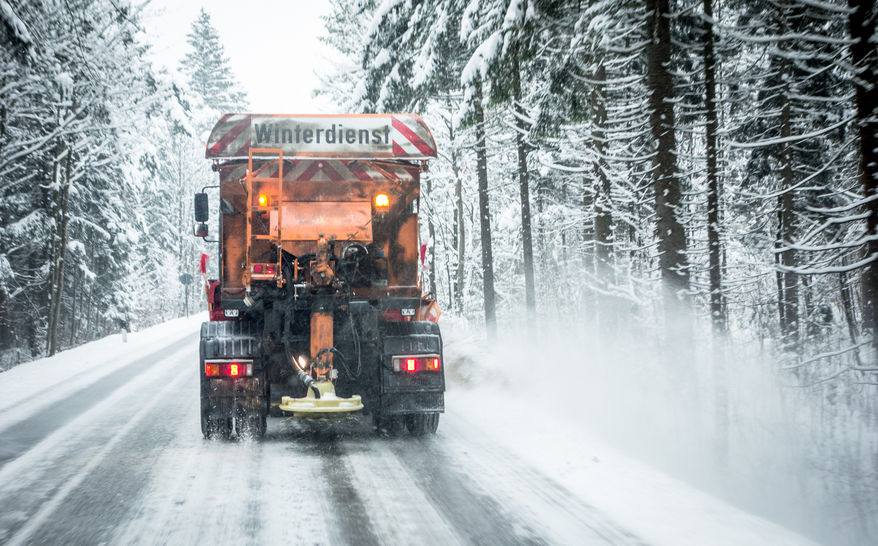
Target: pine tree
208	70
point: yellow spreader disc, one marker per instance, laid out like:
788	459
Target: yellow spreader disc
328	405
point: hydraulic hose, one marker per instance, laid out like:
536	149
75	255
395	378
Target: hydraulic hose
309	383
344	361
304	377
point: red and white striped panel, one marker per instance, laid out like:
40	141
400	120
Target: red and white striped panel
361	136
327	170
230	137
411	137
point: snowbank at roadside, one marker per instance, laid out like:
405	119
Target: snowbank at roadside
654	506
536	396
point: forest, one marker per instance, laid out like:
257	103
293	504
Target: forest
686	188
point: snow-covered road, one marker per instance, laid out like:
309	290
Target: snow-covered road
101	444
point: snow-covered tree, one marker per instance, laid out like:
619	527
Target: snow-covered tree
207	69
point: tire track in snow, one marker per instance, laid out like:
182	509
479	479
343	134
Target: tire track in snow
25	533
27	482
229	492
24	435
351	518
474	515
399	509
88	372
93	510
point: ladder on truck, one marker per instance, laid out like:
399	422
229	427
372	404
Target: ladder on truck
271	188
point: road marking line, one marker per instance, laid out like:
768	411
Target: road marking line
34	522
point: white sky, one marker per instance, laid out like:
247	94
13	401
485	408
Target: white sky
272	46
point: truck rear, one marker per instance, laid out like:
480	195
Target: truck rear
318	309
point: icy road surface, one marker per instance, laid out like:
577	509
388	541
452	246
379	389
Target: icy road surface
101	445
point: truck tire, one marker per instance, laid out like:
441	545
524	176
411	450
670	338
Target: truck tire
216	428
419	424
416	423
432	422
251	426
390	425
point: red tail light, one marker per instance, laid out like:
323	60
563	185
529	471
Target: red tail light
412	364
225	368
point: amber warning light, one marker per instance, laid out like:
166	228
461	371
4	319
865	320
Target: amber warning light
381	200
262	200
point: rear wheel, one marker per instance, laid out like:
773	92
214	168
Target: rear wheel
251	426
416	423
390	425
432	423
216	428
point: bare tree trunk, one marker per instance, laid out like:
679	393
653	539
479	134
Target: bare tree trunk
790	302
459	233
521	146
847	305
89	321
778	274
540	228
603	216
6	335
808	319
449	278
53	249
431	233
673	262
3	116
589	297
588	228
714	246
73	309
485	215
60	257
56	259
32	327
862	21
461	244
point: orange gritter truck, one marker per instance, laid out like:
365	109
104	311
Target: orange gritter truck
318	309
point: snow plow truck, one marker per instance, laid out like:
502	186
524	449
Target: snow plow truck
318	309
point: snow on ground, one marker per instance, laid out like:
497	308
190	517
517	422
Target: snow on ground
656	507
506	435
34	386
521	396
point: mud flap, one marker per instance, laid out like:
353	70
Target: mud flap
403	393
226	398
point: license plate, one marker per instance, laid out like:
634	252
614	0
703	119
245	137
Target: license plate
231	312
407	312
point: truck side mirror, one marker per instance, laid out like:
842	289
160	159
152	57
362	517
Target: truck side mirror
201	207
